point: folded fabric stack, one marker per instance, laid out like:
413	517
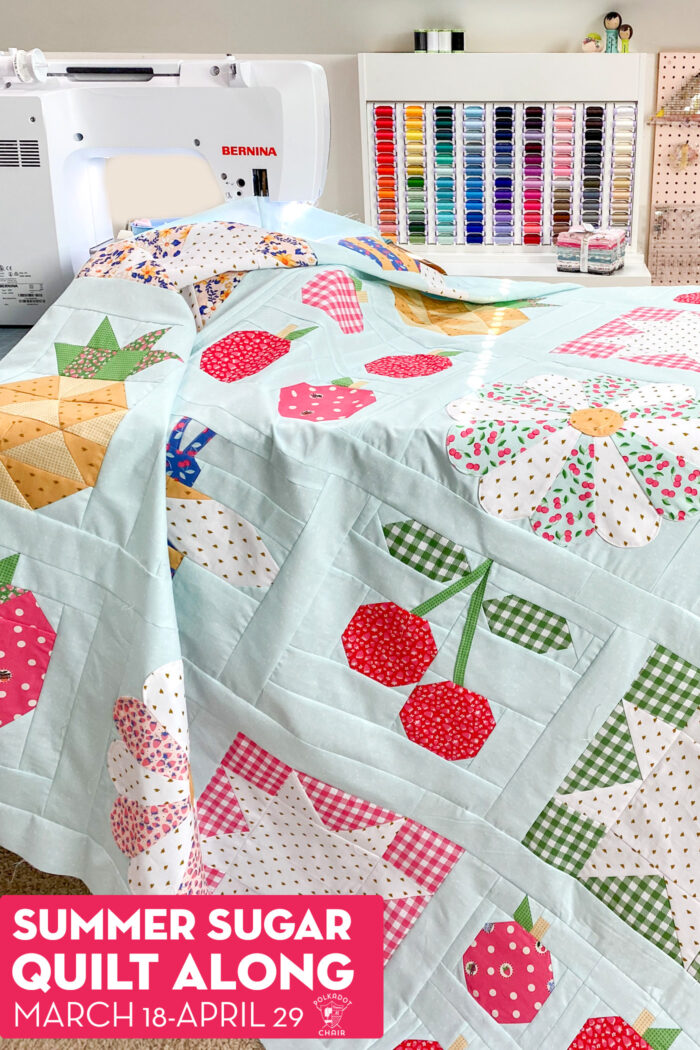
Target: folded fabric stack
582	249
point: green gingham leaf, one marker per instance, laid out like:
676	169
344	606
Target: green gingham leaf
563	838
694	968
661	1038
7	568
523	915
642	901
527	624
610	758
425	550
668	687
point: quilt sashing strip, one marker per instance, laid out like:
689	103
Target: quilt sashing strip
624	822
267	827
655	336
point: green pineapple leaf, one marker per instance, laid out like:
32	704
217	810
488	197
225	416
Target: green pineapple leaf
102	357
65	355
523	914
7	568
104	338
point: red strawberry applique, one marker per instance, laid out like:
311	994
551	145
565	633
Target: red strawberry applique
448	720
389	644
688	297
26	642
339	295
242	354
418	1044
613	1033
320	404
409	366
508	970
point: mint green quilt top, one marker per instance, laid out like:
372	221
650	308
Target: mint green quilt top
321	571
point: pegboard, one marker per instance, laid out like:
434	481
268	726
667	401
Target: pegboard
674	256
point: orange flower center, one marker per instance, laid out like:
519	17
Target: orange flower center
596	422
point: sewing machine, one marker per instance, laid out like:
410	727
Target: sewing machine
262	126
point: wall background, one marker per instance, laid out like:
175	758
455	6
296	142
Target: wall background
329	31
333	26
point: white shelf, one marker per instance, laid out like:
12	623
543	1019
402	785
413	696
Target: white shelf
525	266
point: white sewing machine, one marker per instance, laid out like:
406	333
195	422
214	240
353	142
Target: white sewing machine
262	126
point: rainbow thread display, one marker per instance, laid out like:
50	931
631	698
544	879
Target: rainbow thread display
563	155
506	174
416	189
385	167
474	145
624	138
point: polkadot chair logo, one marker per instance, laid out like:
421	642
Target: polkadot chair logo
331	1008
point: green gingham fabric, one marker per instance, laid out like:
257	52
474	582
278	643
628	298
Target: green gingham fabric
668	687
642	901
661	1038
563	838
527	624
609	758
425	550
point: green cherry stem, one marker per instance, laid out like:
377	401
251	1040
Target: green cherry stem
465	644
454	588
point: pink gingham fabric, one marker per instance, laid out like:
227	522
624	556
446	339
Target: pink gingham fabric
399	916
340	811
218	811
424	855
334	292
610	339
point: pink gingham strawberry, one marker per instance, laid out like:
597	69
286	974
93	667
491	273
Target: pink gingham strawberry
339	295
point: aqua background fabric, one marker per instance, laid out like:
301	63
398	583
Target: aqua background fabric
269	661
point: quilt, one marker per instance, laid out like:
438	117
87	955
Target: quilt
323	572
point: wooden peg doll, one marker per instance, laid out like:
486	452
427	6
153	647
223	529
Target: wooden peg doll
612	23
625	33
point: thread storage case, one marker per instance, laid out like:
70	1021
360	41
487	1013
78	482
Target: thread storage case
500	173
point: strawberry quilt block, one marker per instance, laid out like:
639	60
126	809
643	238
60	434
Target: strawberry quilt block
269	828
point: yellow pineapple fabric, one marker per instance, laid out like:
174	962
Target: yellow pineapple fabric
54	432
454	317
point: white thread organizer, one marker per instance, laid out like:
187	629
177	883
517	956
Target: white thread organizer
428	119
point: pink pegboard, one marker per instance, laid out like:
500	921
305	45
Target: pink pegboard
674	256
